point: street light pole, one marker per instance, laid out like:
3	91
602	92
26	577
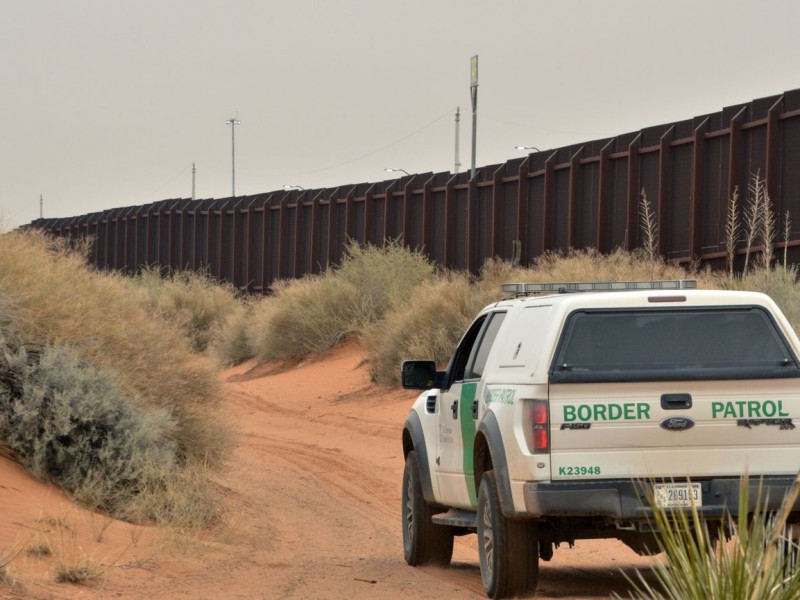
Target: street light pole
458	130
474	93
233	122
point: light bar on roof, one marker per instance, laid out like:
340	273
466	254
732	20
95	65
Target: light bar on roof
597	286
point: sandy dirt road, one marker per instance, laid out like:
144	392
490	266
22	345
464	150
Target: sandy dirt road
313	510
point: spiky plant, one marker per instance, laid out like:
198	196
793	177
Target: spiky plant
732	229
752	217
756	564
787	231
649	227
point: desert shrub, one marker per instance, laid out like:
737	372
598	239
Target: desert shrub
56	299
231	343
73	424
779	284
310	315
196	303
430	323
381	278
591	265
428	326
759	562
303	316
186	499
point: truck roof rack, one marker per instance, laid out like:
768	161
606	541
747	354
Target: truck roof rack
523	289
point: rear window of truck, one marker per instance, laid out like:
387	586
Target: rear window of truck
666	344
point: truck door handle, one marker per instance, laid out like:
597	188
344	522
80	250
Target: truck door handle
474	409
454	407
676	401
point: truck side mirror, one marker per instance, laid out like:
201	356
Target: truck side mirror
419	374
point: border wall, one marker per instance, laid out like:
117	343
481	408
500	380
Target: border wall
579	196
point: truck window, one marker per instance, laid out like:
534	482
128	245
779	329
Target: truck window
458	364
626	345
489	334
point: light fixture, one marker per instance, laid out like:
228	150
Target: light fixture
392	170
527	148
293	187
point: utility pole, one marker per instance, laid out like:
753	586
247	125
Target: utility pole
474	94
194	171
233	122
458	128
41	207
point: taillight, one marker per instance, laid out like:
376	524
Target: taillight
539	432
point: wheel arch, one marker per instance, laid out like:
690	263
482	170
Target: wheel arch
489	454
414	439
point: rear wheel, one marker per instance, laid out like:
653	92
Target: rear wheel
508	550
424	542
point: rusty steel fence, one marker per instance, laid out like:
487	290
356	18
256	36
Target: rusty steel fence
581	196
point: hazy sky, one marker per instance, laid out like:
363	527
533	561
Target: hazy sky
107	103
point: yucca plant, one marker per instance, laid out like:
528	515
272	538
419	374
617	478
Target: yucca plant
758	562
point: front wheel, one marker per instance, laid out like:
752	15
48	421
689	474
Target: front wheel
508	550
424	542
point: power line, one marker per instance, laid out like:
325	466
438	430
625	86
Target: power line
377	150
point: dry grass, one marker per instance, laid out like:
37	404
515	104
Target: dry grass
57	299
49	296
196	303
231	344
40	550
8	556
430	323
312	314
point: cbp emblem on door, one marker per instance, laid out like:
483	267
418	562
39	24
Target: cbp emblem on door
676	423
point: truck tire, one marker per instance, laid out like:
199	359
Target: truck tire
424	542
508	550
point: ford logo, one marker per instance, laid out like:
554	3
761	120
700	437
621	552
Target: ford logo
677	423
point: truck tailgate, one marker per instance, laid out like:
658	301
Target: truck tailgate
674	429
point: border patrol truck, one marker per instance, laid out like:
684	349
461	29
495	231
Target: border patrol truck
569	410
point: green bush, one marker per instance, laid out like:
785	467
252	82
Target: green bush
74	425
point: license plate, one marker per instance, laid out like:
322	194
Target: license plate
678	495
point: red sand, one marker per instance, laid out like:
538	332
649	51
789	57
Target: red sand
312	511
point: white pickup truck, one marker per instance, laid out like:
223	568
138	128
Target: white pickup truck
566	416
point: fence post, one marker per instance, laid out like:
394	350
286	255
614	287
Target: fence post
698	197
664	173
522	209
548	202
632	218
773	147
427	246
573	194
602	196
